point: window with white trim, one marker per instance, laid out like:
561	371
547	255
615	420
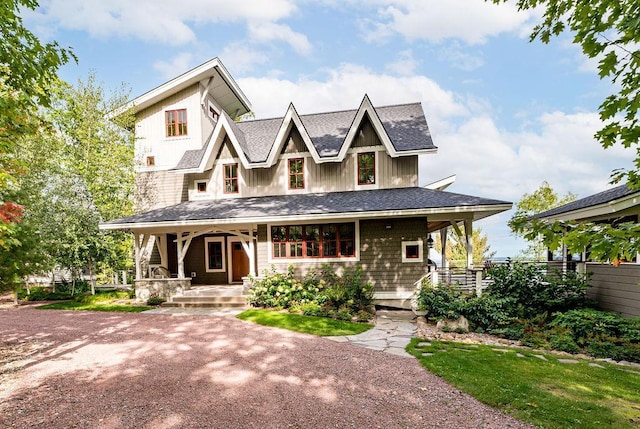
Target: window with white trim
412	251
214	257
201	186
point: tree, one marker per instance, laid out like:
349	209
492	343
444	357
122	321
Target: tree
456	252
542	199
608	30
28	68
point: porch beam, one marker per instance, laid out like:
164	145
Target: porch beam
468	230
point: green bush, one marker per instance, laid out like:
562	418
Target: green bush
278	290
440	301
155	299
488	312
103	297
42	294
589	323
312	309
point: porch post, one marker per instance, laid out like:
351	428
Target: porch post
468	231
252	258
180	244
140	241
444	264
161	243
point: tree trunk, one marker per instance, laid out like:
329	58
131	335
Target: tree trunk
93	283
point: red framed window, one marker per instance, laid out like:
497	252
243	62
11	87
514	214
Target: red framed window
231	179
151	161
176	122
367	168
412	251
313	241
296	173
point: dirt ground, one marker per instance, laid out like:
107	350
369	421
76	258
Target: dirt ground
63	369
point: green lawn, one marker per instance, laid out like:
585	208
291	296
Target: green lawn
546	393
320	326
98	306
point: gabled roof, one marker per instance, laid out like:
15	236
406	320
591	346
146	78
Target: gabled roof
396	202
606	202
402	129
212	74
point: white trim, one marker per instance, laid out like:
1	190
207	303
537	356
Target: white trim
420	257
604	209
208	240
272	260
321	218
305	177
442	184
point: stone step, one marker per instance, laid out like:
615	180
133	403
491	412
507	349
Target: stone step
229	299
206	304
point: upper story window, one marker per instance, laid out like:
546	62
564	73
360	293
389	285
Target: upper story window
296	173
151	161
367	168
213	113
231	179
201	187
176	122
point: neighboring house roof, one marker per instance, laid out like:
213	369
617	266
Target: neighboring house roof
212	74
397	202
402	129
609	201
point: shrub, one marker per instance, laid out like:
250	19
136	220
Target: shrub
312	309
348	291
278	290
440	302
488	312
42	294
155	299
589	323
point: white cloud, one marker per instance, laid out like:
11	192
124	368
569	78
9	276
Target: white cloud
472	21
459	58
175	67
240	57
269	31
404	65
161	21
344	88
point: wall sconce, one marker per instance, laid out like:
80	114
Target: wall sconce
429	241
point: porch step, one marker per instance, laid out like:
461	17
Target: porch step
226	296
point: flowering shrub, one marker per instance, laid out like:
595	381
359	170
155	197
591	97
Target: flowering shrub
321	293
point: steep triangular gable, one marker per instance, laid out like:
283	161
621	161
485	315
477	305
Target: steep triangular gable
366	108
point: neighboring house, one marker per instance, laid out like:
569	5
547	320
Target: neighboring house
615	288
221	199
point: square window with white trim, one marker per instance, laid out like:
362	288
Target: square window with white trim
214	257
412	251
201	186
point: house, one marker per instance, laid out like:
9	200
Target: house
615	288
221	199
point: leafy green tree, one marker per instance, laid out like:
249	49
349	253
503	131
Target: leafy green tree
607	30
542	199
456	252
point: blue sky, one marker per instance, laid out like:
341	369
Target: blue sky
505	113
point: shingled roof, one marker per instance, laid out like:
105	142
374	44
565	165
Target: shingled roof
404	125
604	197
353	203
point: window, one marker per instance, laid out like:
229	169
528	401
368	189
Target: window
412	251
313	241
366	168
296	173
201	187
213	113
151	161
231	179
214	255
176	122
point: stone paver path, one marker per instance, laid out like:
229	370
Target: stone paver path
392	332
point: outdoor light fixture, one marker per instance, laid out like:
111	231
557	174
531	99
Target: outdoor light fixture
429	242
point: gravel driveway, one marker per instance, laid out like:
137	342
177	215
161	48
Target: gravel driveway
117	370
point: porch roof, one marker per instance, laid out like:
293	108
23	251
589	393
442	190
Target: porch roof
400	202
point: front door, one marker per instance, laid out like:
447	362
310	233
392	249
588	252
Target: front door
239	262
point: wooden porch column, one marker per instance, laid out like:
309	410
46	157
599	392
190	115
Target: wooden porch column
468	232
183	243
444	264
161	244
140	241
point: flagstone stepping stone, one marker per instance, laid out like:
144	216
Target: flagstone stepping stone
595	365
568	361
427	354
540	357
520	355
500	350
423	344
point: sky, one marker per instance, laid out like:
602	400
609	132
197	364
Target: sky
505	113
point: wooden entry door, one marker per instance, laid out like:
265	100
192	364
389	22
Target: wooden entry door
239	262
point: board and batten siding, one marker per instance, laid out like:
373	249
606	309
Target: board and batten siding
616	288
151	138
326	177
156	189
380	254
